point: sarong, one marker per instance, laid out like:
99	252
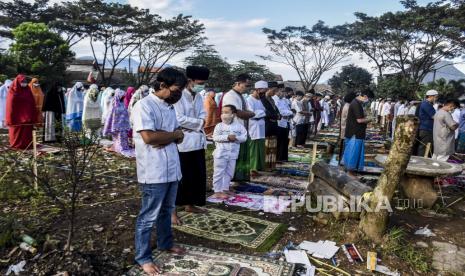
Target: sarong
354	154
256	154
242	172
461	143
270	153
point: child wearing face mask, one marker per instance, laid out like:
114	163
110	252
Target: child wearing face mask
228	135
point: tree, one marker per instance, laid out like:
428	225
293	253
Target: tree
221	77
38	51
255	70
7	66
446	89
13	13
409	42
373	224
394	86
176	35
118	28
350	79
310	52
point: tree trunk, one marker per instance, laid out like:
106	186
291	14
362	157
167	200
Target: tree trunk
373	224
339	180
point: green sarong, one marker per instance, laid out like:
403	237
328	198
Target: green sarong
242	172
257	154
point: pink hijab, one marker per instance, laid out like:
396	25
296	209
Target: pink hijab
127	98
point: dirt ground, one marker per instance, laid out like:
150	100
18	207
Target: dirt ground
103	242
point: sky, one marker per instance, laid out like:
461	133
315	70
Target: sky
235	27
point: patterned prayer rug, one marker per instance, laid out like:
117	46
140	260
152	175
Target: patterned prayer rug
288	182
232	228
203	261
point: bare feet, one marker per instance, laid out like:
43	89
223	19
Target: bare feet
230	193
175	220
178	250
220	195
151	269
194	209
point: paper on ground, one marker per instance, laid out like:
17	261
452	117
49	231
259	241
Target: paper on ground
297	257
320	249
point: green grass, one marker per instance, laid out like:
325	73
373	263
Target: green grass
397	245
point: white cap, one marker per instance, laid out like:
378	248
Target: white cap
431	92
261	84
327	97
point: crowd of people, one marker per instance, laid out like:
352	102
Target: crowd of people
442	123
167	126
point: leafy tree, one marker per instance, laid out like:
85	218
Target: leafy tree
7	66
118	29
221	77
310	52
395	86
38	51
350	78
176	35
255	70
446	89
409	42
13	13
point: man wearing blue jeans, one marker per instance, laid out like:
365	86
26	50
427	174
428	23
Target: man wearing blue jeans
156	134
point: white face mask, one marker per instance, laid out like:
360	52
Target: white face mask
227	118
36	85
23	84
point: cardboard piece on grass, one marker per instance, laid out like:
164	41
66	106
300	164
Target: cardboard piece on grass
297	257
321	249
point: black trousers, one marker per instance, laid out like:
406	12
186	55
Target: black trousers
193	186
301	134
425	137
283	144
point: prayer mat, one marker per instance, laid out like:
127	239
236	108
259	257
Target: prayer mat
232	228
275	202
287	182
199	261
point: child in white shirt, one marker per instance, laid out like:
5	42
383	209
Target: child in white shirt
227	136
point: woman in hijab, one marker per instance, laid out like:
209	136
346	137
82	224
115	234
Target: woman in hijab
127	99
92	114
3	93
21	113
74	107
54	108
210	109
38	95
140	93
129	93
117	125
105	102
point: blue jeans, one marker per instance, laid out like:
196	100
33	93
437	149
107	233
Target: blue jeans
158	203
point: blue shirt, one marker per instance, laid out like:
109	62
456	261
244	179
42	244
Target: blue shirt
426	115
462	121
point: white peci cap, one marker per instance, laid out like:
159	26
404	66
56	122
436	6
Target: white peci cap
432	92
261	84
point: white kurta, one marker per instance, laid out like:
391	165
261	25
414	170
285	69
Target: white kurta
190	114
155	164
256	123
297	106
456	117
325	113
226	153
284	110
105	104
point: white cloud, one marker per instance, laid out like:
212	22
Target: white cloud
165	8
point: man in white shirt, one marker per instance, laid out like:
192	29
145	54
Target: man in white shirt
299	120
156	134
234	97
190	114
283	126
257	128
